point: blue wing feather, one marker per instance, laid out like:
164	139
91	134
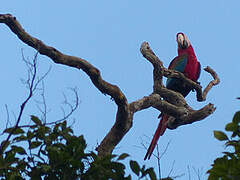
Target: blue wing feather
178	63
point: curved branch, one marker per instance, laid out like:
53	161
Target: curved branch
79	63
148	53
163	99
191	117
60	58
212	83
181	115
120	128
155	101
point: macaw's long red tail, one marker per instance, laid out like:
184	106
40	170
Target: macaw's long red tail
159	132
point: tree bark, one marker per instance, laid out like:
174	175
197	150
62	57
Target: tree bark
163	99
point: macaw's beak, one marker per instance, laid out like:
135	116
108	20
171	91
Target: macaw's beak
184	45
182	41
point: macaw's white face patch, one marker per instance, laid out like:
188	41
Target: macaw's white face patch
180	38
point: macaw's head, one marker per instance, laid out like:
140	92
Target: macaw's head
182	41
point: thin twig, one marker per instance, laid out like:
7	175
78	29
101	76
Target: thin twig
8	120
171	168
197	172
158	162
31	89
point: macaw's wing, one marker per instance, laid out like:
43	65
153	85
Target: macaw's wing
178	63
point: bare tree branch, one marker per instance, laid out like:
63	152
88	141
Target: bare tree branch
31	83
212	83
72	107
60	58
94	74
167	101
42	105
8	119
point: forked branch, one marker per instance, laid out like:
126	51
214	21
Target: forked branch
158	67
164	100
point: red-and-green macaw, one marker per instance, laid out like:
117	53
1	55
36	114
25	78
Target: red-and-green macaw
187	63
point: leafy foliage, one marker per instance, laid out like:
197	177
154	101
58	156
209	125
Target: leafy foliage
228	166
52	153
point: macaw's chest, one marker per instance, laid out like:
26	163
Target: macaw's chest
191	70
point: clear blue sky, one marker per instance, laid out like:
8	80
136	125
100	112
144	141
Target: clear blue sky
108	34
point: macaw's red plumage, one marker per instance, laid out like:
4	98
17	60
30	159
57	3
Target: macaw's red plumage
186	62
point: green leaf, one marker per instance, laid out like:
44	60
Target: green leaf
30	135
236	117
18	149
135	167
10	157
45	167
4	145
231	127
20	138
13	130
151	173
231	155
36	120
221	136
117	167
64	125
123	156
34	144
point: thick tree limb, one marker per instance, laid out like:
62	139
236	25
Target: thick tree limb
94	74
164	100
60	58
